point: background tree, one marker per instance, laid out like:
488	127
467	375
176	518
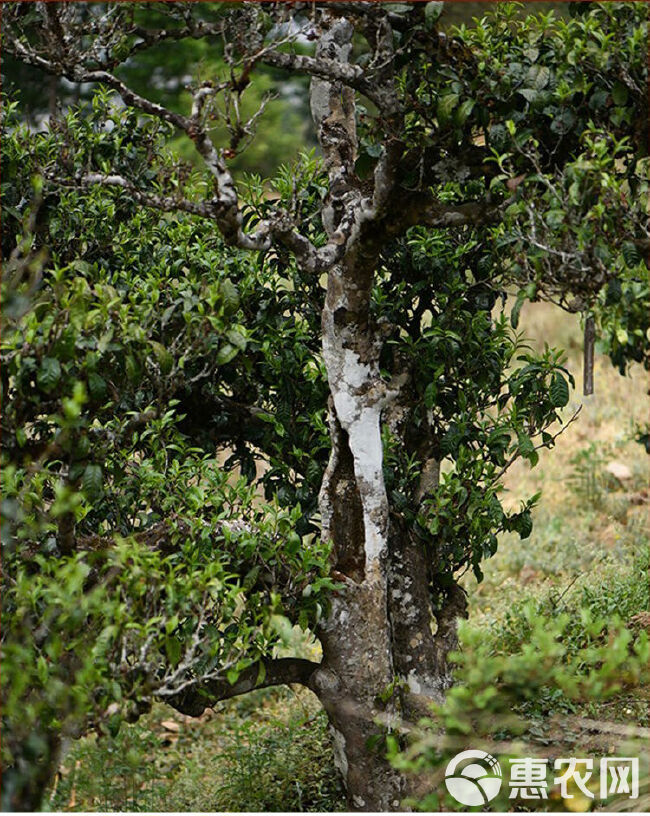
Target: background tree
339	329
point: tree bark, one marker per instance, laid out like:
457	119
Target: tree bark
384	646
356	636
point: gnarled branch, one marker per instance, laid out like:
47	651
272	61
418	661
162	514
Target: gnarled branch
194	699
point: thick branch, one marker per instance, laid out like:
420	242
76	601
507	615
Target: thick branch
330	70
196	29
196	698
132	98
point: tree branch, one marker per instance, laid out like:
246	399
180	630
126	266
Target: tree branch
224	208
205	209
133	99
194	699
330	70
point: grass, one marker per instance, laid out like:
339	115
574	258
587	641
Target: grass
587	522
270	750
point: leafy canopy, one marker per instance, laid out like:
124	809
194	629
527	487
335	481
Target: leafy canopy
165	398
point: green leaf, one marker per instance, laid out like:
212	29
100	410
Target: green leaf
113	725
293	543
230	296
619	94
432	12
446	105
527	449
226	353
104	340
49	373
516	310
374	150
530	94
555	218
96	385
622	336
164	357
559	391
598	99
282	627
251	577
42	670
538	76
631	253
524	524
463	113
237	338
131	367
173	649
92	481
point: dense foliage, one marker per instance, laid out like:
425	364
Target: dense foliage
592	646
164	430
131	357
137	360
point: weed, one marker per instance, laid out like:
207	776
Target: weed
268	751
587	477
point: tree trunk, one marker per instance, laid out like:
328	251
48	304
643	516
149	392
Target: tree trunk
384	649
381	627
353	690
384	656
356	637
25	782
382	662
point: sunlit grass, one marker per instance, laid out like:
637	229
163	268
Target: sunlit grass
587	521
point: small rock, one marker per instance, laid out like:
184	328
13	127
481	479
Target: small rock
170	725
619	471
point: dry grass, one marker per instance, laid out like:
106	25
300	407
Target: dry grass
578	531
